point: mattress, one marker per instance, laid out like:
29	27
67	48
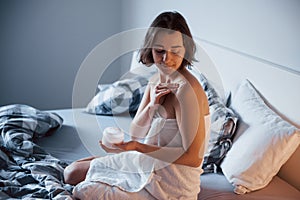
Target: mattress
80	134
216	186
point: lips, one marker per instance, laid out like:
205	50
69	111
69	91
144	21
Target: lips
167	70
168	67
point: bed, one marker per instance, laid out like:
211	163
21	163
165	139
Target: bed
81	129
284	185
213	185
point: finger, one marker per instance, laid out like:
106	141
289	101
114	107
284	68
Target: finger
163	86
161	90
167	85
103	146
165	92
173	85
120	146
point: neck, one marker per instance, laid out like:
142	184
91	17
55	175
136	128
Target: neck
171	77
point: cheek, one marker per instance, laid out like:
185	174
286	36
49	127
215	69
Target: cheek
177	60
181	55
156	58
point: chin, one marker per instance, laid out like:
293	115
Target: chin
166	70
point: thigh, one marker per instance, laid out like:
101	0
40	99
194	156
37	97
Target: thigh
87	159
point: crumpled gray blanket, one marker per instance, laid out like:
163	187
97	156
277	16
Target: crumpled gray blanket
26	170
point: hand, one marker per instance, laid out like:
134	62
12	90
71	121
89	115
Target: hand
110	150
128	146
160	90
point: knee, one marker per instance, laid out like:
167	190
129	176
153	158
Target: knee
71	174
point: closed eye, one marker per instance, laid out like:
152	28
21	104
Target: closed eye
159	51
175	52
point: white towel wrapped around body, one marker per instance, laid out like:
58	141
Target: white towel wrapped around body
133	175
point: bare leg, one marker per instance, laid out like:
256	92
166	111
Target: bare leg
87	159
76	171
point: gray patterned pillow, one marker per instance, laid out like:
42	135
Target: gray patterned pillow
121	96
223	125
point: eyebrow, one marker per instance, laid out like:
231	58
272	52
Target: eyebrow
172	47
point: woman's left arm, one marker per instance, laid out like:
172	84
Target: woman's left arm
191	108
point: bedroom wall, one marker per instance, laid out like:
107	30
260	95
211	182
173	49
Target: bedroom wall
43	44
266	29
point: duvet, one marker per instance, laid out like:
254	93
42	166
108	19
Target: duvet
26	170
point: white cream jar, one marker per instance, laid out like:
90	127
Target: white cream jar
112	135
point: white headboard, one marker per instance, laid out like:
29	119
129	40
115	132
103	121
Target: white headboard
277	84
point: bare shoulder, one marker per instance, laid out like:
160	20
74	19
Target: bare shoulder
192	85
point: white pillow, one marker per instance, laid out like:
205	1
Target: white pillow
263	142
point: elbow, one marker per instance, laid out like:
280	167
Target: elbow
192	160
195	162
137	131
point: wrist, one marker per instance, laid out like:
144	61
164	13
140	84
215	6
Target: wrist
153	103
152	109
138	146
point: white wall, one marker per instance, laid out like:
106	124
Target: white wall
43	44
267	29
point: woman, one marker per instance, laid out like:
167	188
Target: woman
169	131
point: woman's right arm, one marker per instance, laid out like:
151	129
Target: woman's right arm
141	122
153	97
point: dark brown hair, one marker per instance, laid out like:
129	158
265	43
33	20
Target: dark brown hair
168	21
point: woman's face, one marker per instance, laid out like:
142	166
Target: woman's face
168	51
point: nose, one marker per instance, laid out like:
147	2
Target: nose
166	57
